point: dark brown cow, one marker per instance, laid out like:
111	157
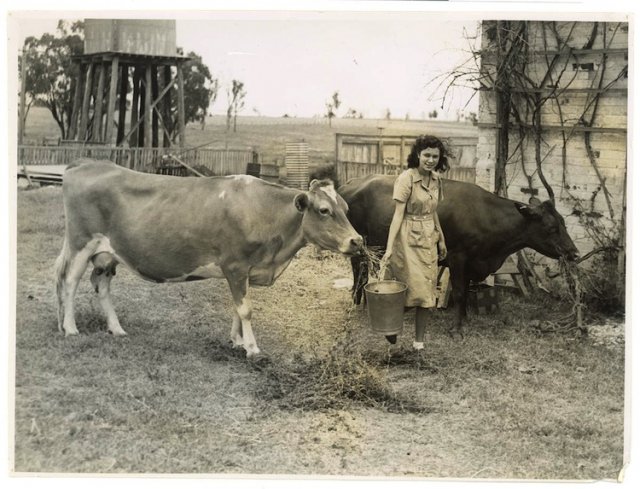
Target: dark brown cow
481	230
169	229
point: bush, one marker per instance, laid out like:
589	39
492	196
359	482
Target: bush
600	282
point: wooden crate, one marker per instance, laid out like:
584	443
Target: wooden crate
483	299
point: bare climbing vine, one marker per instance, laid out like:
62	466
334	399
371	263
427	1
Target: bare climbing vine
504	68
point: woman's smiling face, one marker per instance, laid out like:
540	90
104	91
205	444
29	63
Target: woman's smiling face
428	158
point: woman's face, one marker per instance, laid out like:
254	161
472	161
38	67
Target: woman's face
428	159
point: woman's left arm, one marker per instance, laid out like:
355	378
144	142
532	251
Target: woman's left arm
442	247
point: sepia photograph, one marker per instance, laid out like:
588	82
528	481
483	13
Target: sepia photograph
339	243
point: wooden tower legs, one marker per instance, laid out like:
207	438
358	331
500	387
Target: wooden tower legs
102	90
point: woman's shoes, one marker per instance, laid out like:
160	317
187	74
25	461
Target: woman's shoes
417	345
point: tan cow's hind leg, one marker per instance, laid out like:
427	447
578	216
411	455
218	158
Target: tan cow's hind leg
69	270
77	266
236	330
103	272
62	263
239	290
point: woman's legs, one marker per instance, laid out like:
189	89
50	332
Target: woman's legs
422	317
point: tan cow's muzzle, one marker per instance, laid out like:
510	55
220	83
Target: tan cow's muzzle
354	246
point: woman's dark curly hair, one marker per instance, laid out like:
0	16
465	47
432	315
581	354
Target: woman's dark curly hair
424	142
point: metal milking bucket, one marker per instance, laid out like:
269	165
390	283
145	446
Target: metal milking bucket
385	305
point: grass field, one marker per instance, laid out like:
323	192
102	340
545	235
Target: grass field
329	398
269	135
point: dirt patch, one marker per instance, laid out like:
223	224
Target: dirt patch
608	333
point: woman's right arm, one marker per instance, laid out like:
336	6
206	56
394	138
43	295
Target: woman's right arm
396	221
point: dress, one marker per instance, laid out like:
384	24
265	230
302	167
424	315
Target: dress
414	260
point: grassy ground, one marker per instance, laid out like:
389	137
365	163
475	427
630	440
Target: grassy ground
330	397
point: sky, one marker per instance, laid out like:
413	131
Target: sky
292	63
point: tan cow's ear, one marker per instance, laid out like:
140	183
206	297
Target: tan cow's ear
302	202
313	184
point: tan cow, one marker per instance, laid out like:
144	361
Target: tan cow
169	229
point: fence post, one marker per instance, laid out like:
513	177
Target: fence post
340	168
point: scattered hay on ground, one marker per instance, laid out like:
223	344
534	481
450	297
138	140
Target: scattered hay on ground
343	378
336	381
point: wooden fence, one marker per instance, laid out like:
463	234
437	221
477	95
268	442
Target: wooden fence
347	170
151	160
359	155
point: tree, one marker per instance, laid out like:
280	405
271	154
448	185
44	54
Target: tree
200	91
235	98
473	118
332	105
387	114
351	113
51	75
51	78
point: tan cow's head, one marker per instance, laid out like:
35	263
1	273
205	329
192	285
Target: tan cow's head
325	222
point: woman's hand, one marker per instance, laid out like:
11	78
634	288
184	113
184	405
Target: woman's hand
384	262
442	249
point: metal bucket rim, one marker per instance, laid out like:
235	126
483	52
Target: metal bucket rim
403	286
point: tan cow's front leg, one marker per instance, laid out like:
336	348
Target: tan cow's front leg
239	284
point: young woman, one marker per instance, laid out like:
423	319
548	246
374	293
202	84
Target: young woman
416	241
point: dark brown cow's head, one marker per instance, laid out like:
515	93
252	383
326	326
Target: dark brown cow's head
546	231
325	222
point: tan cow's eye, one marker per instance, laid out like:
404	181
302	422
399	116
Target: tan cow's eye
325	211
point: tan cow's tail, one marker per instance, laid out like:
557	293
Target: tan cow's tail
61	269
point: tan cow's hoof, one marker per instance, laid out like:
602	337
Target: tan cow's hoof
259	361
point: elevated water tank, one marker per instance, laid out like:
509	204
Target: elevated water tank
132	36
